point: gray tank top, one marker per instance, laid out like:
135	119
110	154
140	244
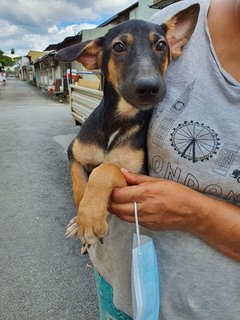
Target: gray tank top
194	139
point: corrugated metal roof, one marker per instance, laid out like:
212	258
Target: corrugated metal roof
112	19
162	3
65	43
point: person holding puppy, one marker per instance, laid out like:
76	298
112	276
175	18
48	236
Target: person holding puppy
189	203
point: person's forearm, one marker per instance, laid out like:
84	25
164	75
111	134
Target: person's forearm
218	225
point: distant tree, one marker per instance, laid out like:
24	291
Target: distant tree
4	60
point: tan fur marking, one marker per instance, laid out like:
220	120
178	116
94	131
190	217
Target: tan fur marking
126	38
152	37
126	157
165	66
129	38
124	109
87	154
112	73
170	25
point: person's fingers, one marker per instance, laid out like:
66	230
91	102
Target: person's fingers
134	178
122	209
126	212
127	194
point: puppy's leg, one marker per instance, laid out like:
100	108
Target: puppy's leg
79	182
92	211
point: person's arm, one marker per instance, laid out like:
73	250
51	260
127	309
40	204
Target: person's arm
167	205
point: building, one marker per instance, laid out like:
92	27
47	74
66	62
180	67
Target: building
46	72
50	73
30	70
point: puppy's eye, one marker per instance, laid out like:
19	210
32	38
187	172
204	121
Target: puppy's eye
161	46
119	47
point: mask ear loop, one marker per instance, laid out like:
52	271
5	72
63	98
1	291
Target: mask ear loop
137	225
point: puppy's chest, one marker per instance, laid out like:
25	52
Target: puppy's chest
117	148
119	138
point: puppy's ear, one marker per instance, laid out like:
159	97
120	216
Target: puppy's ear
180	29
89	53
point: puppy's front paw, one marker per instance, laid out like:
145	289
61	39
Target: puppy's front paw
88	227
91	228
72	228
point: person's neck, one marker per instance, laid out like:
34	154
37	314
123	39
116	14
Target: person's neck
224	28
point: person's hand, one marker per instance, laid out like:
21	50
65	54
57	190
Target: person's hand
162	204
167	205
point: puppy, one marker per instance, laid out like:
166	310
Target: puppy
133	57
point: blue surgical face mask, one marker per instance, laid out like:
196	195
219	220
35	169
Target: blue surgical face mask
145	283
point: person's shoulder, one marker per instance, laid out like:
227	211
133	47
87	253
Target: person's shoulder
164	14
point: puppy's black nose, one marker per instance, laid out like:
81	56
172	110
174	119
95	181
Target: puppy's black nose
147	88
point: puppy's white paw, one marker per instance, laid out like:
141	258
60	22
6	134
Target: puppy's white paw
72	228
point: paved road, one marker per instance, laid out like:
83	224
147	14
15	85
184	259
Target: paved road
42	275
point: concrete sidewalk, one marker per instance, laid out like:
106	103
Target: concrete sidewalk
42	275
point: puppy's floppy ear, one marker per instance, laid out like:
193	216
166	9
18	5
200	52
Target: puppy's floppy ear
89	53
180	29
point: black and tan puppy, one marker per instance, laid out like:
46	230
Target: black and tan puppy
133	57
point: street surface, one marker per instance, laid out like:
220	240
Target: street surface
43	276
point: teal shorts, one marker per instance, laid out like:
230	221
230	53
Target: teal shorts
107	309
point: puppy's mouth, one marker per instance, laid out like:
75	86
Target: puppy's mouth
144	106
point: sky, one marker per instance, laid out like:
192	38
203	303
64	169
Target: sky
33	25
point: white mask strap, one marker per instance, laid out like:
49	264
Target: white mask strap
137	225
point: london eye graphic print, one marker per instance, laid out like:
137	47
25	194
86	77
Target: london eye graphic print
195	141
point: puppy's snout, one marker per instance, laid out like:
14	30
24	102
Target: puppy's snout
147	88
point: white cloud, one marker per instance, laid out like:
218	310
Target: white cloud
55	35
53	29
40	14
70	30
7	29
36	24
